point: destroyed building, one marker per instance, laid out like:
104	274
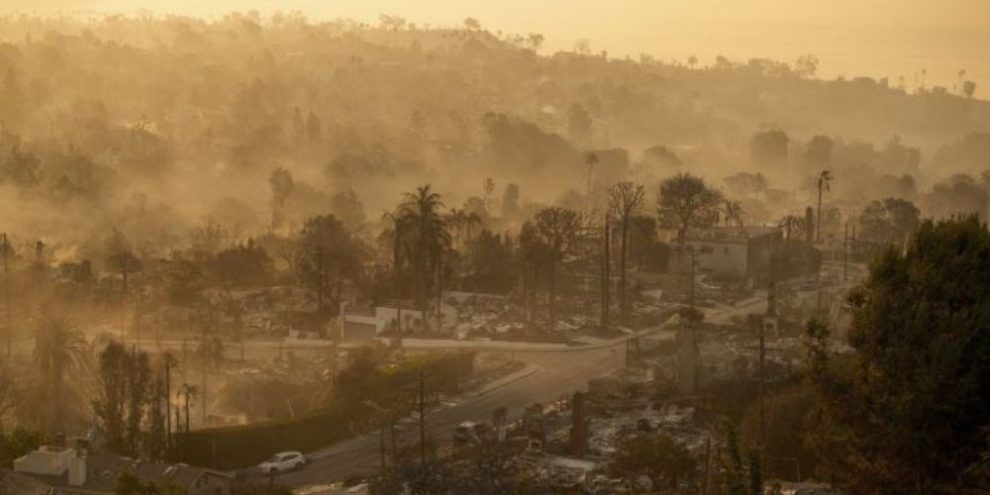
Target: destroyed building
74	471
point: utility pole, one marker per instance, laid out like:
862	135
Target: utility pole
818	217
178	423
123	303
845	254
708	465
333	371
6	296
240	332
606	281
391	427
168	400
205	356
188	389
691	250
381	444
422	420
439	293
591	159
763	418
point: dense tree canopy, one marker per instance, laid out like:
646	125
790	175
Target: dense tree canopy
685	202
889	221
328	256
912	404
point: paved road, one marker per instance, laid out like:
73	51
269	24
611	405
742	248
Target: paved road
553	375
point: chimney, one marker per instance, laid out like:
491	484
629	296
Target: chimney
77	469
579	425
772	299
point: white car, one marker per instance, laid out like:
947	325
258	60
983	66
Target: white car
283	462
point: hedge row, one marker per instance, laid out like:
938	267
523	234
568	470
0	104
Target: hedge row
243	446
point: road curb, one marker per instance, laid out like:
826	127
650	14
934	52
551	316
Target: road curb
526	372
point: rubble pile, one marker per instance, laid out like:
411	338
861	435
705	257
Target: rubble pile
730	355
250	313
677	422
579	319
555	472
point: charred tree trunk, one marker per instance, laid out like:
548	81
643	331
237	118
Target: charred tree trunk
552	280
623	302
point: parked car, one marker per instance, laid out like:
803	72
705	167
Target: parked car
283	462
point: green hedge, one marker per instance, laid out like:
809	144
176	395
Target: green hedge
248	445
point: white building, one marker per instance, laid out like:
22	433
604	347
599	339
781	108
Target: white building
361	323
741	253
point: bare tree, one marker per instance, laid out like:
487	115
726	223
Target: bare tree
559	229
625	199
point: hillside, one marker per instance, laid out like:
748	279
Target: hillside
152	125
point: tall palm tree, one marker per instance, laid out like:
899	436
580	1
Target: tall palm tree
60	349
590	159
428	232
824	179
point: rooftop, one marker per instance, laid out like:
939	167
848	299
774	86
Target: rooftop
102	470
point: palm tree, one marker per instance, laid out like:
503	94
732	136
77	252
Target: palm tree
590	159
428	233
824	178
59	350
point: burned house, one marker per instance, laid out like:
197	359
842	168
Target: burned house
68	471
744	254
366	322
729	253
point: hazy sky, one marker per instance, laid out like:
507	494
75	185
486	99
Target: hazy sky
852	37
